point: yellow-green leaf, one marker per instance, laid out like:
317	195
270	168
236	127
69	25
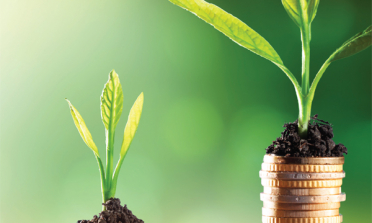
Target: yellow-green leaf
111	101
82	128
302	12
231	27
132	124
354	45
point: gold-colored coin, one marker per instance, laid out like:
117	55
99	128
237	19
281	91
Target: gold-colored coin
304	160
334	219
301	176
299	214
301	183
301	168
302	192
303	199
301	207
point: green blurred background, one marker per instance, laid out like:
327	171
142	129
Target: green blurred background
211	107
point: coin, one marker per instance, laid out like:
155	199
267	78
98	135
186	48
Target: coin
301	183
334	219
301	168
301	207
300	176
304	160
299	214
303	199
302	192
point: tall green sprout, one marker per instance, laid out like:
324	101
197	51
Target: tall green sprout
302	12
111	109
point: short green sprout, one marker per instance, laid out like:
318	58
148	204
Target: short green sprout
111	109
302	12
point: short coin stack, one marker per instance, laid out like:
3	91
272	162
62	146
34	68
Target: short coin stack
302	190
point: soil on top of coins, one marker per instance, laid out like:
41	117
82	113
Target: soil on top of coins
319	142
115	213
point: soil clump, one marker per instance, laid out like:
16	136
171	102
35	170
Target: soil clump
115	213
319	142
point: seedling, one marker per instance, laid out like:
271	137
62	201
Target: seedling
111	109
302	12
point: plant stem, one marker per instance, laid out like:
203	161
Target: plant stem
305	37
304	115
103	179
110	134
116	174
319	76
305	102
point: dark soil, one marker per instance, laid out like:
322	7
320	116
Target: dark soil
115	213
318	144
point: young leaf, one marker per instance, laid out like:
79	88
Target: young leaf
132	124
354	45
301	11
82	128
231	27
111	101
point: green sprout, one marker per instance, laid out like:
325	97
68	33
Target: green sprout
111	109
302	12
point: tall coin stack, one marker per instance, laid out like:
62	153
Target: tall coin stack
302	190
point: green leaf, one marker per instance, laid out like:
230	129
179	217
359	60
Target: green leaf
111	101
132	124
231	27
82	128
293	9
302	12
312	9
354	45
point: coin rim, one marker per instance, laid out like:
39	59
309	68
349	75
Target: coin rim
304	160
334	219
300	192
304	176
269	212
306	168
301	206
303	199
296	183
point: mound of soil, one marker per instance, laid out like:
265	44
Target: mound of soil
115	213
318	144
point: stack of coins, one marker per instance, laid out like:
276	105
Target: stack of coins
302	190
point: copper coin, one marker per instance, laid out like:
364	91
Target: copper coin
301	183
335	219
303	199
301	207
301	176
304	160
301	168
302	192
299	214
